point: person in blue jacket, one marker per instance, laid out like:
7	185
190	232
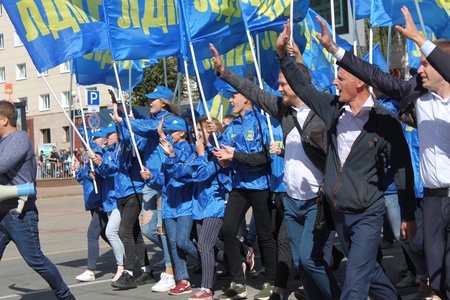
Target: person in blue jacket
147	140
93	203
124	168
211	182
177	200
247	133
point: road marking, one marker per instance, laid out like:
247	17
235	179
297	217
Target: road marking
55	252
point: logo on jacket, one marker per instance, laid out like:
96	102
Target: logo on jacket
250	135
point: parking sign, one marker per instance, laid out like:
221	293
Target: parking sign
93	100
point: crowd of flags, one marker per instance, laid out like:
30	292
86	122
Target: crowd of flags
132	34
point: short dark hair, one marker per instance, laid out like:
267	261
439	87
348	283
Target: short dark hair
8	110
443	44
304	69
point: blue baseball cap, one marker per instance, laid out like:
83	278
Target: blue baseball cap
161	92
175	123
230	89
99	133
111	128
188	114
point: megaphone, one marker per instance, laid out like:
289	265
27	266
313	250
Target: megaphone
14	191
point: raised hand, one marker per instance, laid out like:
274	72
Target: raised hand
216	59
295	51
167	147
325	38
115	114
283	39
410	31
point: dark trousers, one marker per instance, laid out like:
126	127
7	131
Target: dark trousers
359	235
238	203
436	234
284	253
130	231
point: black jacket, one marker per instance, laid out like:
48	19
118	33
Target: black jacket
358	185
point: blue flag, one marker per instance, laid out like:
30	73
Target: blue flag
142	29
387	13
378	58
362	8
95	68
265	14
54	32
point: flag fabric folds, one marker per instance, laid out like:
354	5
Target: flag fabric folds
434	15
377	58
54	32
97	68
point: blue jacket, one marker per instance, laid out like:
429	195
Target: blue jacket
249	134
91	199
176	195
277	162
211	183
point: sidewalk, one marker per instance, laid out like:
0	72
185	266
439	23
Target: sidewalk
59	191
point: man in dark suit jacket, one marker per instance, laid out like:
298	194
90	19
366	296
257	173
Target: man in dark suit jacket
424	103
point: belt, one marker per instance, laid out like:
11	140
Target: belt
441	192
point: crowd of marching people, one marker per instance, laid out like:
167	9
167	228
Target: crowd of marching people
327	164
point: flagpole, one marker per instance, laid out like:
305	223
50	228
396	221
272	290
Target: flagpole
91	164
388	54
371	51
191	103
419	14
133	141
291	22
333	30
129	84
67	116
202	94
165	72
355	34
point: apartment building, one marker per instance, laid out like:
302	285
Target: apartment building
45	120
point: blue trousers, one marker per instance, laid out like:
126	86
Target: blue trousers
23	231
307	245
359	235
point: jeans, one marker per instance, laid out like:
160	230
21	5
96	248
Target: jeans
23	231
307	245
150	231
112	233
97	227
178	232
393	214
359	235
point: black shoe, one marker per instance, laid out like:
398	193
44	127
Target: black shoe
145	278
224	276
197	270
125	282
71	297
338	256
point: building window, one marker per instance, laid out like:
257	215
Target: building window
2	74
44	73
65	67
46	135
21	71
25	100
323	8
17	40
65	99
2	42
67	133
44	102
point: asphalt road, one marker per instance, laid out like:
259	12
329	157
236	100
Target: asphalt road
63	225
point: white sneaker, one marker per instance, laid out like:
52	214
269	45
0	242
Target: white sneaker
86	276
165	283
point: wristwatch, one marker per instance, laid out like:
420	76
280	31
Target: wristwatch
332	48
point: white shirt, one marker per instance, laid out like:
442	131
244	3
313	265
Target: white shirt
349	127
301	177
433	125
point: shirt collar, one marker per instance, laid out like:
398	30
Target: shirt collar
367	106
